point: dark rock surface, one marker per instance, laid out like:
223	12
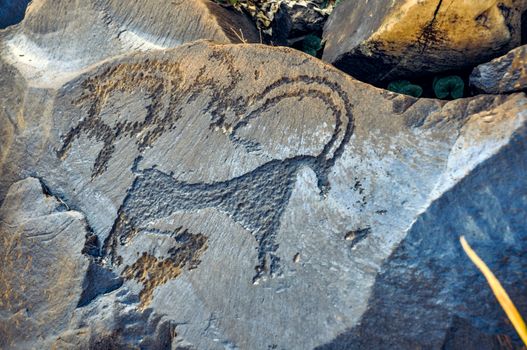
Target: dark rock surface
505	74
12	12
284	22
294	21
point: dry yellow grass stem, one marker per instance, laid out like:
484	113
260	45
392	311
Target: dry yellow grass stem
500	293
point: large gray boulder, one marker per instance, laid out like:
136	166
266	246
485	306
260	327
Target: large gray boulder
250	197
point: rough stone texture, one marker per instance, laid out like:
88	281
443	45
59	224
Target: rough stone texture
59	38
382	40
250	197
42	268
502	75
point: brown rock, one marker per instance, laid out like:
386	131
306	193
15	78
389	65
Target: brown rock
381	40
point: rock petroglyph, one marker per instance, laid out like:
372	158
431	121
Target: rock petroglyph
256	199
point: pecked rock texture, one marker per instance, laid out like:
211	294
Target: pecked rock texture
504	74
251	197
378	41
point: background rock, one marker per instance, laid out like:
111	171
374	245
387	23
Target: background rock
58	39
502	75
379	41
284	22
240	190
293	21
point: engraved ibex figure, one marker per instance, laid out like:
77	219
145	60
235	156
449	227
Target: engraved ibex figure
256	199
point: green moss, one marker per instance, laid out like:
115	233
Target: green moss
405	87
311	44
451	85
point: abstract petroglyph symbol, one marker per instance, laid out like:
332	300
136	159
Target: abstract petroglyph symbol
153	272
257	199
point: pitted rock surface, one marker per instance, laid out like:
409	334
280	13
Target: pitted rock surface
236	191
